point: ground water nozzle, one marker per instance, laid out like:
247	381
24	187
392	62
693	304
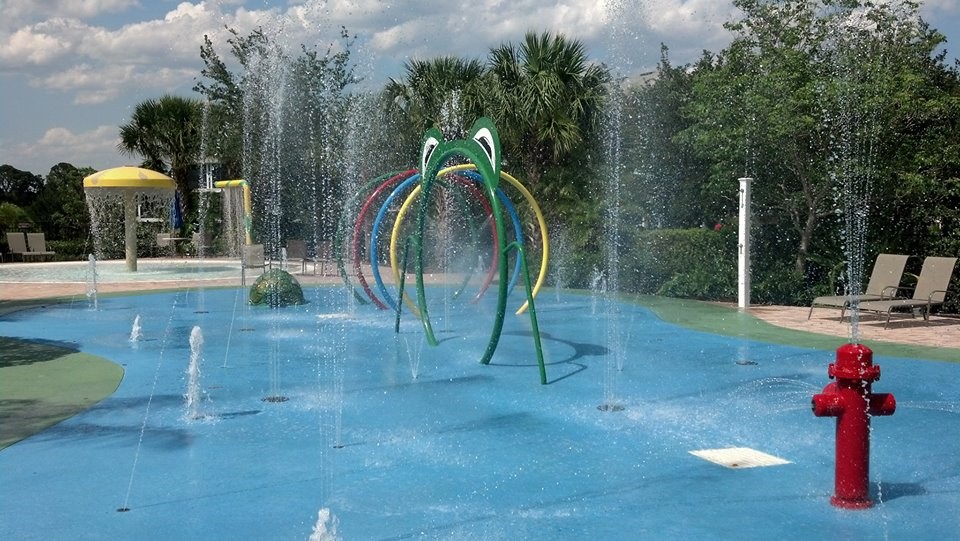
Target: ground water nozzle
851	400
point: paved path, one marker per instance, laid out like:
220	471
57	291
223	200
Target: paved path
938	332
21	291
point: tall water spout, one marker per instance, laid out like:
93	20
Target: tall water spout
598	287
614	161
92	281
193	375
136	332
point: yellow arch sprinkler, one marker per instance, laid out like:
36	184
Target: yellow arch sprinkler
483	149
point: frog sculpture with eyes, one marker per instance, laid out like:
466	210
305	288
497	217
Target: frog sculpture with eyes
482	149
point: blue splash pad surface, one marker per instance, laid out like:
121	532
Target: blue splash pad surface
464	451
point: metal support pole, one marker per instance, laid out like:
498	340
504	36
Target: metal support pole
130	229
743	246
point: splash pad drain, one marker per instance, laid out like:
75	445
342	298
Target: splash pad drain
739	457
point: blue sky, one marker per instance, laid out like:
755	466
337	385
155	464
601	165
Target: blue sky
71	71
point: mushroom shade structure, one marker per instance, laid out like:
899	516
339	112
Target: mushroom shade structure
129	182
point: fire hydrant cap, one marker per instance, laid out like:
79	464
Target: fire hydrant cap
854	361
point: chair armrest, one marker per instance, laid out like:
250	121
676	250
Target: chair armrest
934	292
894	292
889	292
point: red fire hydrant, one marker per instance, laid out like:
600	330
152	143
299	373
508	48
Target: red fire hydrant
851	401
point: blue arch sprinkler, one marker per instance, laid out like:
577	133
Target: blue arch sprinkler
483	150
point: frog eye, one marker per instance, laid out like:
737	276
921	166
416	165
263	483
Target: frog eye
430	143
485	138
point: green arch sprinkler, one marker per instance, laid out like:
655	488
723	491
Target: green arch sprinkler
483	150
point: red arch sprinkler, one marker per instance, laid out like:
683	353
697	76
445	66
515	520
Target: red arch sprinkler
851	400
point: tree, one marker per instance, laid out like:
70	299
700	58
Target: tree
665	174
799	101
546	98
444	92
548	101
166	133
920	181
925	190
61	207
19	187
225	93
319	123
11	216
282	122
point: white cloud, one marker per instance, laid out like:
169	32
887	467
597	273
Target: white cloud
690	24
50	51
96	148
471	29
17	12
624	32
86	76
92	85
75	52
37	45
68	55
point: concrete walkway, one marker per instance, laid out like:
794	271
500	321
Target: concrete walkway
940	331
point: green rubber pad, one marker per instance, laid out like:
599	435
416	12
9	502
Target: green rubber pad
727	321
42	384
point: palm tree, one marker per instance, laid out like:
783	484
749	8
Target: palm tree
546	98
444	92
166	133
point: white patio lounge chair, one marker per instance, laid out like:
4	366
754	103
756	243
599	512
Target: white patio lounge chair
883	283
930	291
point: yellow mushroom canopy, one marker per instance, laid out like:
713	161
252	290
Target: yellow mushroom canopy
128	183
129	177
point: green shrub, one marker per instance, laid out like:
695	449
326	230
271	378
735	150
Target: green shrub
70	250
780	284
11	216
695	263
700	284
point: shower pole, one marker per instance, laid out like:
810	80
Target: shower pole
743	246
